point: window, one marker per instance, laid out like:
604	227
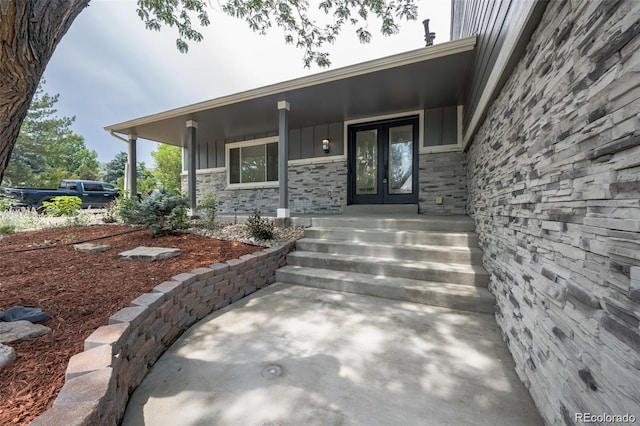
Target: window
90	186
253	163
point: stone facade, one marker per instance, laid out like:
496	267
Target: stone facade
321	188
443	175
313	188
118	356
554	187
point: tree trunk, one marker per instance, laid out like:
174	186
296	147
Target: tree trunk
30	30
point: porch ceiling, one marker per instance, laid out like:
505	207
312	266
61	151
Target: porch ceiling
424	78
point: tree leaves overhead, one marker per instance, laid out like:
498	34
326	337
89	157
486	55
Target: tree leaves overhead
294	17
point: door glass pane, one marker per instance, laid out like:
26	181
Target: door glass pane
367	162
401	160
253	164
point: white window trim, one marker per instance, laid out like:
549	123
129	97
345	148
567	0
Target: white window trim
451	147
419	113
206	171
252	142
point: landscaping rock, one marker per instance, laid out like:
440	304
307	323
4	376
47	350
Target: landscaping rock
20	313
91	247
7	355
149	254
17	331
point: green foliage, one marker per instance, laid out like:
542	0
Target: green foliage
259	228
5	202
114	169
208	207
168	167
7	229
161	212
47	150
62	206
292	16
114	173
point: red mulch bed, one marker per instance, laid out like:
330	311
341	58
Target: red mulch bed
80	292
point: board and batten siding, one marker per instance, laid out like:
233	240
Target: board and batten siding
499	25
304	143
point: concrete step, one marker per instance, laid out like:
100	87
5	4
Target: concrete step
455	273
381	209
456	239
453	296
459	223
419	252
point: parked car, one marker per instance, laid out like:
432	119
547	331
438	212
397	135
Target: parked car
92	193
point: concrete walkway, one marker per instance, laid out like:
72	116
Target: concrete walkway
293	355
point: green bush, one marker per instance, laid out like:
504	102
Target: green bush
7	229
5	202
113	210
208	207
259	228
162	213
62	206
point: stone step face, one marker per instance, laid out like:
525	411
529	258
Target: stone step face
456	239
454	273
453	296
381	209
402	223
454	254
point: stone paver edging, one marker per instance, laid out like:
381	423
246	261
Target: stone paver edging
118	356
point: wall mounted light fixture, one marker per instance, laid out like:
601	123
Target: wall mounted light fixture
325	145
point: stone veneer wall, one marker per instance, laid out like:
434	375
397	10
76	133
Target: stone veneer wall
554	187
443	175
319	188
118	356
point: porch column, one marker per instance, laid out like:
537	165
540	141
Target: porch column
284	215
132	168
191	163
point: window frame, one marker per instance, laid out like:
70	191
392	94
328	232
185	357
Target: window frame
253	142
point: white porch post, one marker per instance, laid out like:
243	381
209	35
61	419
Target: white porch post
284	215
191	163
132	168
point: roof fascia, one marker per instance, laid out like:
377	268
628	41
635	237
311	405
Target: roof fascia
393	61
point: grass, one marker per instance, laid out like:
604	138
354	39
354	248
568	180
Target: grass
25	219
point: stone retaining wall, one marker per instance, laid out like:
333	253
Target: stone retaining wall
118	356
554	187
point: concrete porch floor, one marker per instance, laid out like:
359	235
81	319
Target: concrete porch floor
292	355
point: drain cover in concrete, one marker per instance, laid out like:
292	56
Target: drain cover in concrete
7	355
91	247
149	253
11	332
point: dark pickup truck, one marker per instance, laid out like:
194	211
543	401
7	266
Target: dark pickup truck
92	193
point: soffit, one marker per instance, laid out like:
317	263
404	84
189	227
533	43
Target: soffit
421	79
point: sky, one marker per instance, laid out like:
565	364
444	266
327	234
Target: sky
109	68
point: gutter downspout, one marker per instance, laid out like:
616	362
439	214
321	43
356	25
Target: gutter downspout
130	170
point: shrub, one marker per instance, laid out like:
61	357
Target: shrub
62	206
5	202
162	213
7	229
111	212
259	228
208	207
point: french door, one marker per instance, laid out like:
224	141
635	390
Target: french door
383	162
